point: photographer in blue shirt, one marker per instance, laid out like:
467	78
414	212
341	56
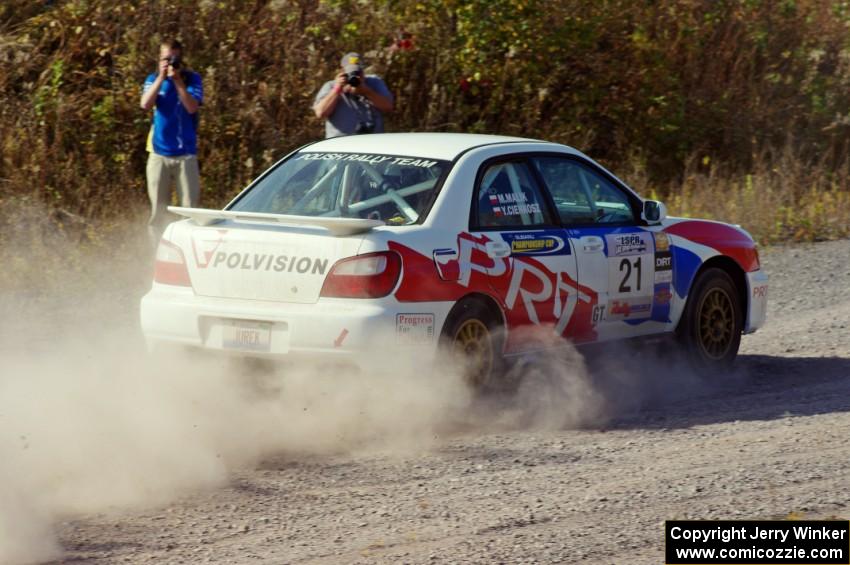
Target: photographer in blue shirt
174	93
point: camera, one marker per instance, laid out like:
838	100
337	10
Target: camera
365	127
353	79
174	61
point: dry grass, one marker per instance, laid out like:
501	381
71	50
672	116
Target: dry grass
786	200
771	211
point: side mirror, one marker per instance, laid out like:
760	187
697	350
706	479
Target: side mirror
654	212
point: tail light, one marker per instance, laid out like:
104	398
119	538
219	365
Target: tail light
371	275
170	265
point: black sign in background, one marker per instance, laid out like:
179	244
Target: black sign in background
843	543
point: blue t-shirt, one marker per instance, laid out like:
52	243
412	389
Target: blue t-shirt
174	130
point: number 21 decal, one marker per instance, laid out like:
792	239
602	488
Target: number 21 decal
627	265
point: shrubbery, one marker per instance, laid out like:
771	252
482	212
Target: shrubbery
697	101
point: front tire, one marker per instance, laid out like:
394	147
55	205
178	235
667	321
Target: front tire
711	326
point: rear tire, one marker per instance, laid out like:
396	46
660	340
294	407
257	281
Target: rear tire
711	325
473	339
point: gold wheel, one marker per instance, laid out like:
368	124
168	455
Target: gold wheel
716	328
473	345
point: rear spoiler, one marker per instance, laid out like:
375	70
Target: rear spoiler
337	226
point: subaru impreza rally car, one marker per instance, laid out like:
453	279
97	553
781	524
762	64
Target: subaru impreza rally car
389	244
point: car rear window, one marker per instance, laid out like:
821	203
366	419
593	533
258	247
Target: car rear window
397	190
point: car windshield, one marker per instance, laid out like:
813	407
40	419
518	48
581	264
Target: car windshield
396	190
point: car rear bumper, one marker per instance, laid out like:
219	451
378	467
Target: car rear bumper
350	330
757	284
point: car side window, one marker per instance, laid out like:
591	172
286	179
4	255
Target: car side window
509	196
581	195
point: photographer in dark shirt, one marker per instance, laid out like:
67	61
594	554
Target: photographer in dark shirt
353	102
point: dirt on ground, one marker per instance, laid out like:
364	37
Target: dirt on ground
109	457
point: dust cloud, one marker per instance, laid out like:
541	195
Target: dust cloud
91	422
557	386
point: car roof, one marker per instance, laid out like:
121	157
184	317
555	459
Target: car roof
443	146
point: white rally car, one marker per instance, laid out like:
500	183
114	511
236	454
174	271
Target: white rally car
385	244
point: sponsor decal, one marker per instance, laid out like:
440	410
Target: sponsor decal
662	242
367	158
522	285
537	243
414	329
663	262
663	295
622	244
661	301
626	308
598	314
204	245
269	262
528	290
534	245
760	291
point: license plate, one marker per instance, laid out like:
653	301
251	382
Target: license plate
247	336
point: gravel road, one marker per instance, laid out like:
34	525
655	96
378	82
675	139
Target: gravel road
765	442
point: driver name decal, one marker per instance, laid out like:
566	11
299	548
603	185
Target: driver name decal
512	204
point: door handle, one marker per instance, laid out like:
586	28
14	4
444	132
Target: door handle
497	249
592	244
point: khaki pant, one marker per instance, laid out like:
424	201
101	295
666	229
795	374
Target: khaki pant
162	171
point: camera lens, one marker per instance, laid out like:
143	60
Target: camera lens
353	79
365	127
